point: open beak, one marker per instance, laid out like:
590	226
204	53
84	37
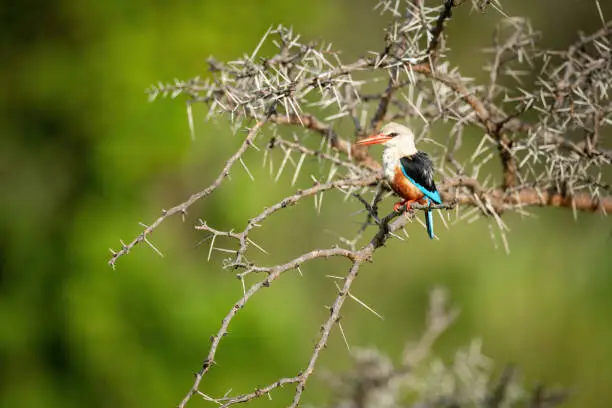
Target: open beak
374	139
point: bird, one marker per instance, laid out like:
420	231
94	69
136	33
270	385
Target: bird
409	171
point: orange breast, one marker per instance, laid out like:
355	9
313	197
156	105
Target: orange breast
404	188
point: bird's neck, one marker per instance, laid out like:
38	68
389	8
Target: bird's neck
390	161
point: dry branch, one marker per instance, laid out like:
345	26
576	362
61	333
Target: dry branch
556	160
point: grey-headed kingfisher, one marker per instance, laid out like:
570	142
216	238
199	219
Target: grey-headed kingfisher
408	171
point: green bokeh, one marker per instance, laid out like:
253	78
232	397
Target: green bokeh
84	158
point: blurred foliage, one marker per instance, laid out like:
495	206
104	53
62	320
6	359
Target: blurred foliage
84	157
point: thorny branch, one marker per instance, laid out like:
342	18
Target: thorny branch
542	116
386	228
182	208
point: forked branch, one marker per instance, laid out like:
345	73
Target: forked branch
306	87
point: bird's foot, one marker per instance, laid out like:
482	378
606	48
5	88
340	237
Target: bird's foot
398	206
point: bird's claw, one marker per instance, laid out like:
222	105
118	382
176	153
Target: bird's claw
398	206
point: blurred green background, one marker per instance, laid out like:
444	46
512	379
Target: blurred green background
84	158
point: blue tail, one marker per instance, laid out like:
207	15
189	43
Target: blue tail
429	223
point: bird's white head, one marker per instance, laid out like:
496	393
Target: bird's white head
395	137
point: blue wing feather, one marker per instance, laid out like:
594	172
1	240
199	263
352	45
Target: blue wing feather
433	195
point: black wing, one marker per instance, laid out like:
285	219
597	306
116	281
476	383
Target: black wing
419	169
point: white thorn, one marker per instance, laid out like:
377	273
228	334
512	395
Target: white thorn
257	246
348	347
153	247
212	243
190	121
246	169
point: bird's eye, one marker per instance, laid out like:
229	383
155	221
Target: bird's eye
392	134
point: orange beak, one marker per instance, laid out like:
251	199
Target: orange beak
374	139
